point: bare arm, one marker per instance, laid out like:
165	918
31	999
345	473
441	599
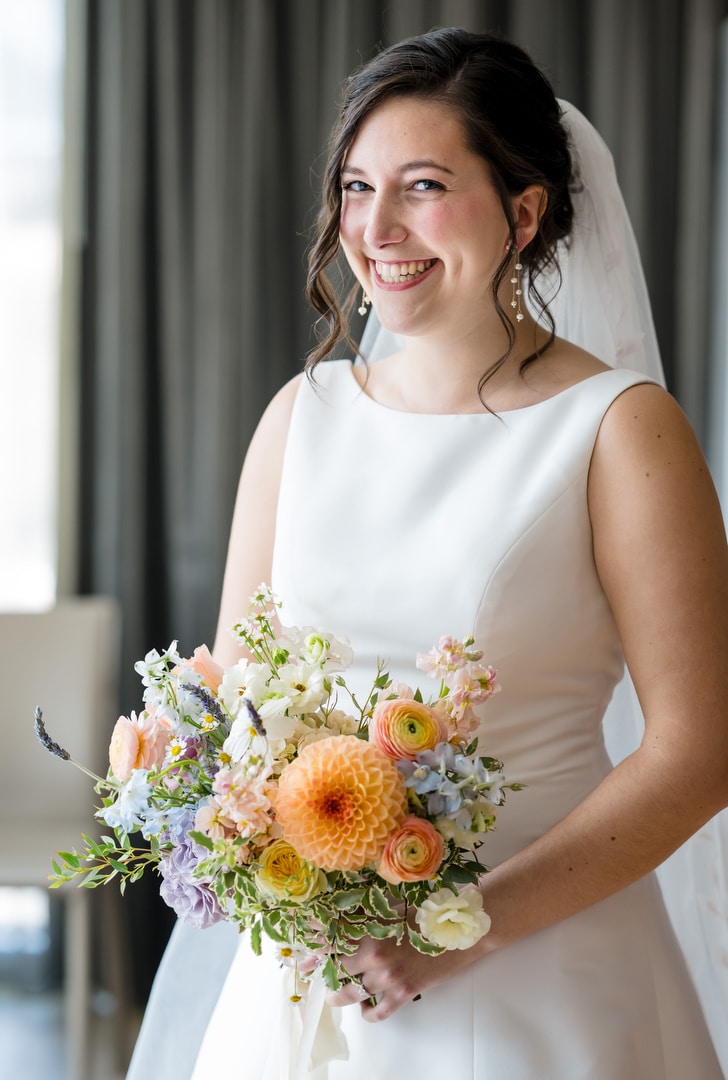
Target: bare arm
660	551
250	550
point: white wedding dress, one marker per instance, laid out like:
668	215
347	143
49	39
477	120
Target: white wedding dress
394	529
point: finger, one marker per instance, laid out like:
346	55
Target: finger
353	993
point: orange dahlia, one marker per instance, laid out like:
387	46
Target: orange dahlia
338	802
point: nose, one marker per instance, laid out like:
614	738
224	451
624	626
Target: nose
385	224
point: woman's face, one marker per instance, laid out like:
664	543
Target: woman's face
422	225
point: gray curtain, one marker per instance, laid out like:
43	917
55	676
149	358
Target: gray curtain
204	126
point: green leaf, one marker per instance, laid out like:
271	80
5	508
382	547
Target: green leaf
422	944
70	858
330	975
418	695
202	839
380	931
272	931
459	875
380	904
356	931
346	900
255	935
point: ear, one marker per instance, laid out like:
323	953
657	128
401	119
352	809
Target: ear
528	208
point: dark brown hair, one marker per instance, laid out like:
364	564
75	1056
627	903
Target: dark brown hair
510	117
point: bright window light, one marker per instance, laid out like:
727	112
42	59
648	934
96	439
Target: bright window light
31	136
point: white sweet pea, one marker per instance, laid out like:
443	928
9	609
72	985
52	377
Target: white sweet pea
300	685
244	680
314	646
155	665
244	741
453	920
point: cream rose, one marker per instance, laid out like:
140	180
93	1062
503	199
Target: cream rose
453	920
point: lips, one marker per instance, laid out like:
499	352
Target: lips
402	272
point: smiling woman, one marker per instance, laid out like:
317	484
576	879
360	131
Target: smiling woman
425	230
491	478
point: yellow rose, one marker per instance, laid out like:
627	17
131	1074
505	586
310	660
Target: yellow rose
284	875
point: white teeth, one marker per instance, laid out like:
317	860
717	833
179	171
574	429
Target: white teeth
395	272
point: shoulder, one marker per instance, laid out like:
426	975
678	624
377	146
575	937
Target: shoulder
275	421
650	489
645	426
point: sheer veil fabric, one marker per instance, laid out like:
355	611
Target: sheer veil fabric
602	305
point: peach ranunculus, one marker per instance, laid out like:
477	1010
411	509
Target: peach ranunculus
138	742
338	802
284	875
208	669
412	853
403	728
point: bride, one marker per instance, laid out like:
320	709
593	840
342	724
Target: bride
489	477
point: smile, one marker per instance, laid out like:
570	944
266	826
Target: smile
399	273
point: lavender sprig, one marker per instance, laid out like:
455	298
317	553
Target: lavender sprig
253	716
59	752
208	700
45	739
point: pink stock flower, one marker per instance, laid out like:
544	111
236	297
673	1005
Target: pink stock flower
473	684
208	669
211	820
138	742
243	800
449	655
412	853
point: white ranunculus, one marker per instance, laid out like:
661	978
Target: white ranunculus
453	920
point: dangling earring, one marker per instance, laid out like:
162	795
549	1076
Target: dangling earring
517	283
365	301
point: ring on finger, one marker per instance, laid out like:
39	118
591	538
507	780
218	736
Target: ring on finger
362	992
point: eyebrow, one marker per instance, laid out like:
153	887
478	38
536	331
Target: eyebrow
408	166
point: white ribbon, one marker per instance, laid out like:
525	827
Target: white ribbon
311	1030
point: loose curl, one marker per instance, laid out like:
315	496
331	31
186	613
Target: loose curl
510	117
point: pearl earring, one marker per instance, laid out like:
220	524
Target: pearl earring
517	283
365	301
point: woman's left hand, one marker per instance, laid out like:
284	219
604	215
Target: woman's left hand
394	975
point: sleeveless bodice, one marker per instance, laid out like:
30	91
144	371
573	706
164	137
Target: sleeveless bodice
423	525
395	529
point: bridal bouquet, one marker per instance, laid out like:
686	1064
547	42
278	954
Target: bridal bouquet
270	796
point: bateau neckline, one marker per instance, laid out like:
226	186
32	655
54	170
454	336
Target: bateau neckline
485	414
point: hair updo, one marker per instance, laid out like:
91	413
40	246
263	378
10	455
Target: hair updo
510	117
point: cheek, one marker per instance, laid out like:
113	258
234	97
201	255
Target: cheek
351	224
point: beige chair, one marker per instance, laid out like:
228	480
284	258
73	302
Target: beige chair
66	661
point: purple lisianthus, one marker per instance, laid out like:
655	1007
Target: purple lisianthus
192	901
